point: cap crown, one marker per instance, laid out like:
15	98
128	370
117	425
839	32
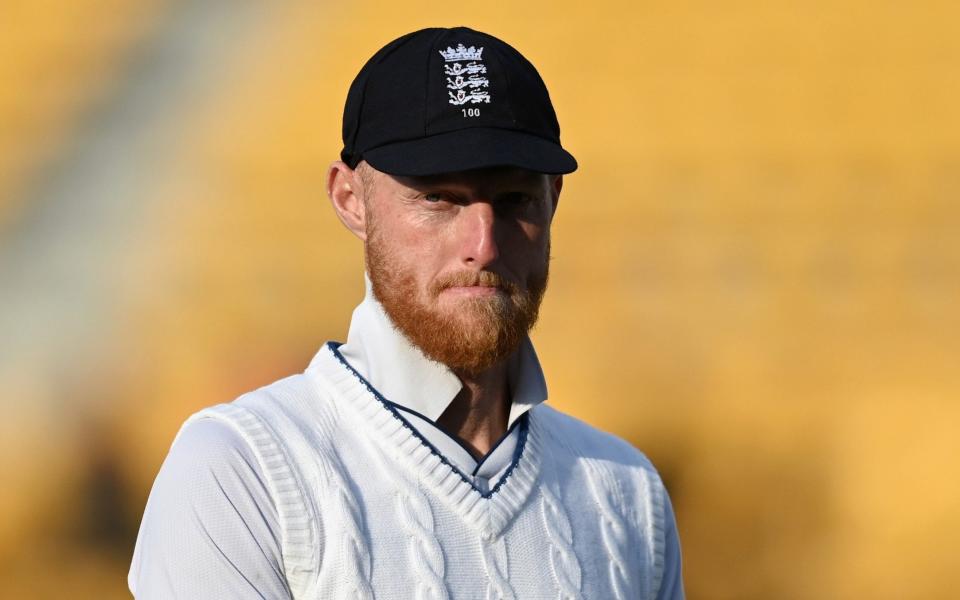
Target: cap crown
436	81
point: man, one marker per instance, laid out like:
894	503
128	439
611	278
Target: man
417	460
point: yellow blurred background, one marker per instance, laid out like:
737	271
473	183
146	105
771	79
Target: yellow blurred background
756	274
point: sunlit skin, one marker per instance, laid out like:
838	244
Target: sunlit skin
496	220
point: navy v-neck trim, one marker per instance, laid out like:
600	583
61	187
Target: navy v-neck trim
395	409
521	422
457	440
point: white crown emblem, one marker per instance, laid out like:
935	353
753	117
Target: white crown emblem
462	53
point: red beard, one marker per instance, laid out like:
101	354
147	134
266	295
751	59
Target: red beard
476	335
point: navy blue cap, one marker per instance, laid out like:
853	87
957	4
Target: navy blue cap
441	100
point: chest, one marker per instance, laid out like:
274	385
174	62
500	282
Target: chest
394	530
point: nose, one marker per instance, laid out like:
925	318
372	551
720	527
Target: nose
478	235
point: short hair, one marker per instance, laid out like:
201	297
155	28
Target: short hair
366	174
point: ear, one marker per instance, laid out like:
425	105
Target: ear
345	190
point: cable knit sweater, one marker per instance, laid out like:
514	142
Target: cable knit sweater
368	508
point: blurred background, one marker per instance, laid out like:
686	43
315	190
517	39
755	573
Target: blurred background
756	274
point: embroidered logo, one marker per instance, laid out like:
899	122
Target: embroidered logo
465	72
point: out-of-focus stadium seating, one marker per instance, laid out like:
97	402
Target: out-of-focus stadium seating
56	60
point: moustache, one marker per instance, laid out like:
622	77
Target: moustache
474	278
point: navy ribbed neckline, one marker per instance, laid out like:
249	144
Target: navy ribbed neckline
396	409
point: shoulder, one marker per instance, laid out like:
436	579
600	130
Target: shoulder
292	397
211	521
235	441
209	445
264	444
280	425
622	480
587	441
208	464
604	459
278	414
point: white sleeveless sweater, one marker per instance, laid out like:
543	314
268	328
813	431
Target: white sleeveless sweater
369	509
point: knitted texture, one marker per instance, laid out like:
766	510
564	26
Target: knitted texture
614	535
494	554
564	565
614	494
368	509
352	580
425	552
423	548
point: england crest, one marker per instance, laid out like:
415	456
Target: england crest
465	73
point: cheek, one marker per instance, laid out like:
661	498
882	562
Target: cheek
529	240
407	239
418	254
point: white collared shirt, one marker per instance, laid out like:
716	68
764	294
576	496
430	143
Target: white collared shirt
422	389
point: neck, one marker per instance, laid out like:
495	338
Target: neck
478	415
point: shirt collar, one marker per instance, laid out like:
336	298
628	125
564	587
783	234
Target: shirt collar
405	376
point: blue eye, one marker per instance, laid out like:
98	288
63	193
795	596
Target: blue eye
433	197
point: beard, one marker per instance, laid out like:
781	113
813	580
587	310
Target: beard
469	337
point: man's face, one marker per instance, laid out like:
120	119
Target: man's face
459	261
